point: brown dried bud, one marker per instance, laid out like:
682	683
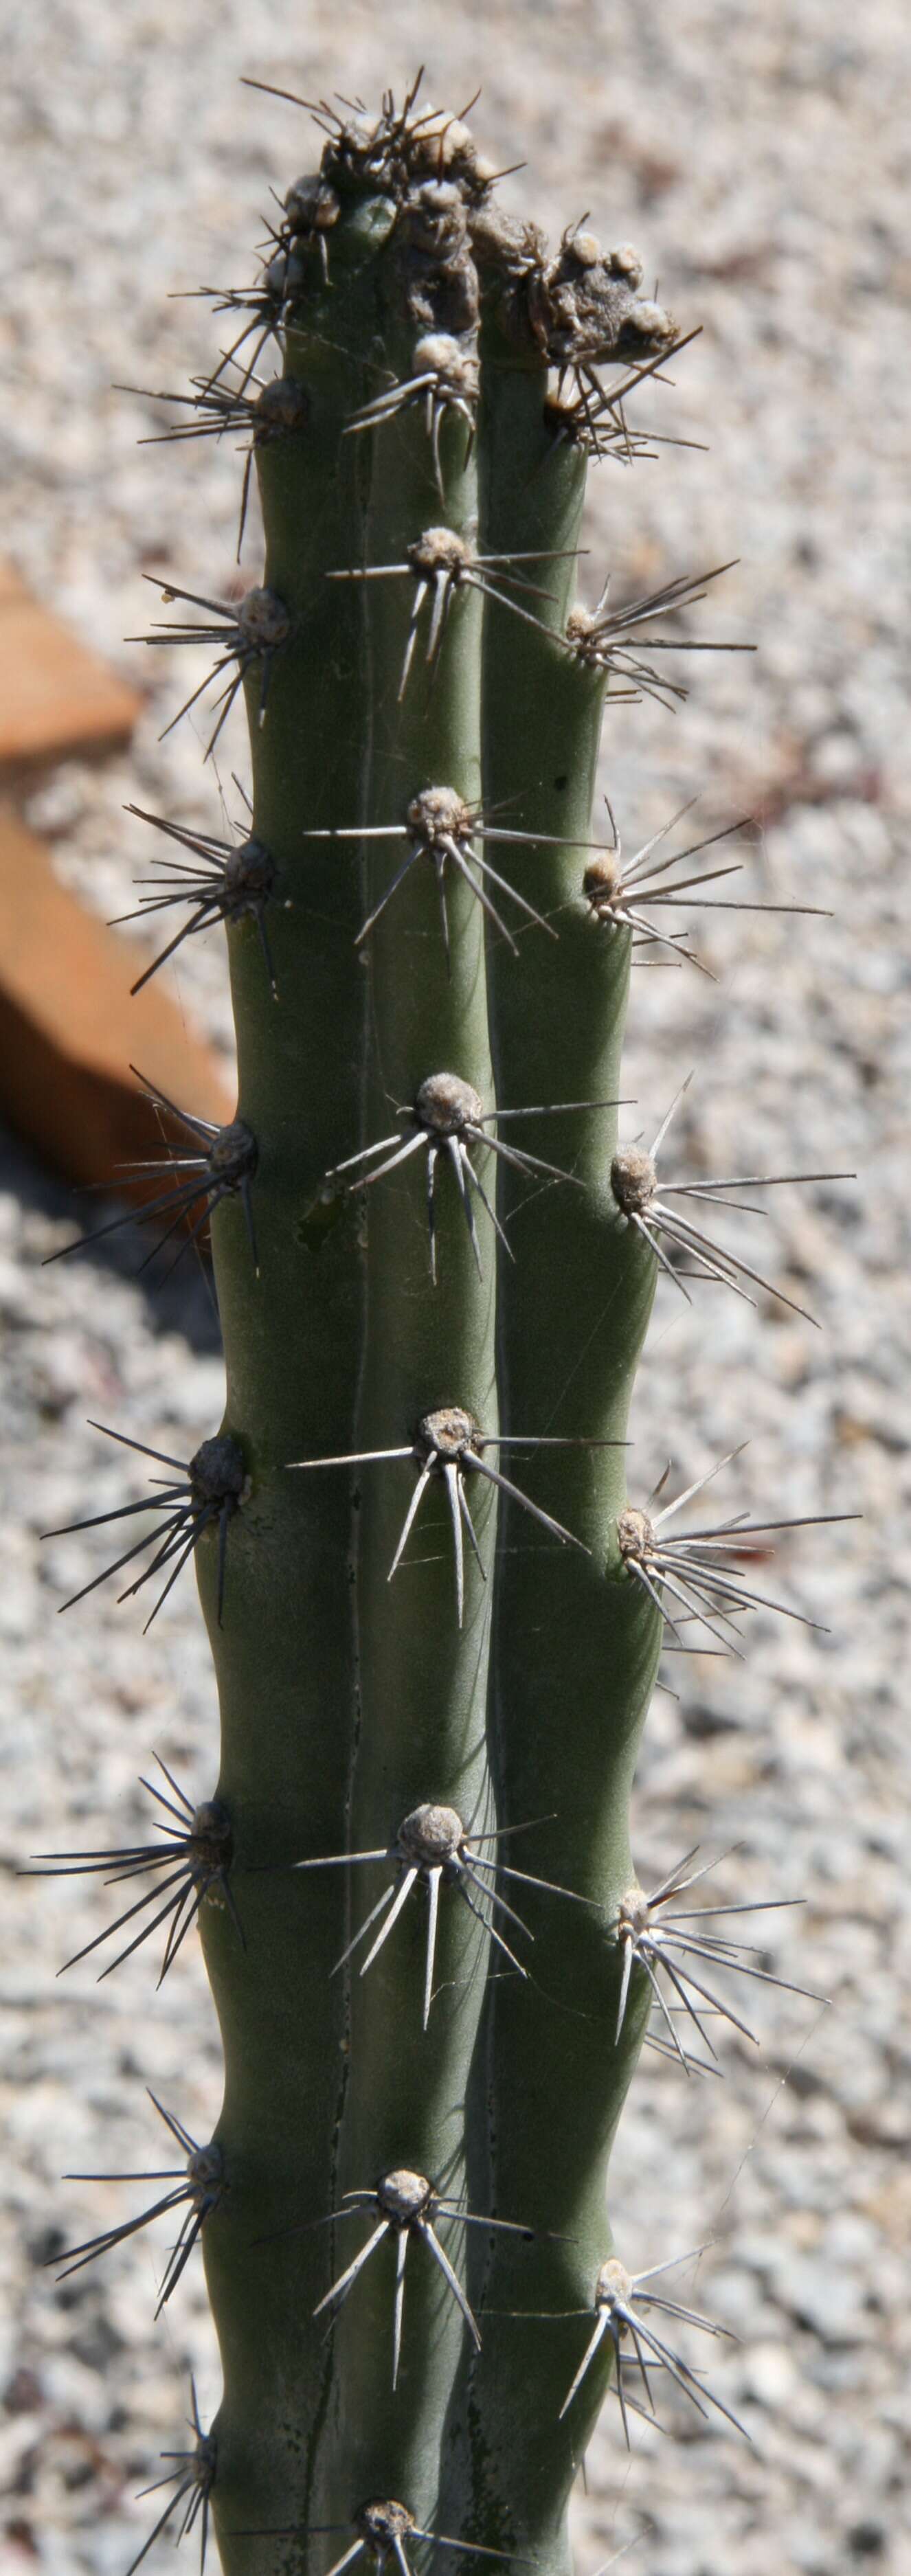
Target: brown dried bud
445	1433
382	2522
282	406
263	622
404	2195
438	814
635	1535
217	1472
633	1179
613	2282
233	1154
444	1105
431	1835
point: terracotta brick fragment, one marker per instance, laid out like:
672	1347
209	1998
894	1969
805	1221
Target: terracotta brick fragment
69	1029
57	696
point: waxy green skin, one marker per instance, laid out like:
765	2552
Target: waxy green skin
575	1657
286	1656
423	1682
347	1700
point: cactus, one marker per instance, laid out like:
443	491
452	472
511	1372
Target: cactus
435	1616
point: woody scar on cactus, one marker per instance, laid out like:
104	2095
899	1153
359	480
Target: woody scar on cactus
425	702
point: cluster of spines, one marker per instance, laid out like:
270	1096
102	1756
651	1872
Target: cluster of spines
582	309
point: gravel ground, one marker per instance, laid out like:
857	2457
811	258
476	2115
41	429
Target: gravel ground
757	159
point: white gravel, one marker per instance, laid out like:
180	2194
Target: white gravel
757	158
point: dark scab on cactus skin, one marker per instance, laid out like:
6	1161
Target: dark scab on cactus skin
509	247
582	309
436	276
585	309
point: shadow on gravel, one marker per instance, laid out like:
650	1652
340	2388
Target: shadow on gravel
182	1302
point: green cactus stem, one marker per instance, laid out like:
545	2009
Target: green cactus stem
574	1662
435	1618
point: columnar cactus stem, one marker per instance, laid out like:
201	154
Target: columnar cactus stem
422	1675
286	1654
432	1961
574	1663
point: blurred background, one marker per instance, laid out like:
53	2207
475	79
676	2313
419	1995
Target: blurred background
757	160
